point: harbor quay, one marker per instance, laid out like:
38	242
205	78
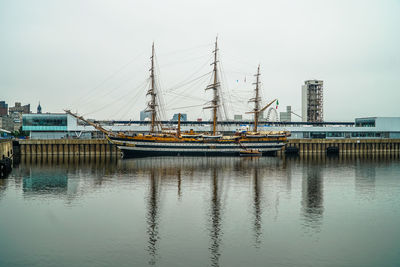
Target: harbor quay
6	153
101	147
343	146
77	147
6	148
63	134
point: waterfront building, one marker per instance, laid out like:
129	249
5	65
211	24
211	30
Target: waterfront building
144	115
312	101
6	123
3	108
24	109
286	116
183	117
16	114
56	126
4	133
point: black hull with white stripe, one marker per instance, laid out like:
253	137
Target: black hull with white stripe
141	148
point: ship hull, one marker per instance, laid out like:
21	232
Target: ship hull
129	153
134	148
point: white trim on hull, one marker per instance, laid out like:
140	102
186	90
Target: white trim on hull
134	148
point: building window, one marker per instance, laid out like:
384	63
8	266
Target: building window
335	134
318	135
365	123
45	120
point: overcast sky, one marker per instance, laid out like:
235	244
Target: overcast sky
93	56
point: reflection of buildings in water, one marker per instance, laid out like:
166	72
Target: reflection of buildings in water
67	176
47	181
3	187
312	196
287	164
215	220
365	175
152	217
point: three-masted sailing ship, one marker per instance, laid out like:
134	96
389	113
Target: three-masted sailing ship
163	143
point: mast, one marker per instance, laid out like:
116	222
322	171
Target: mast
178	133
214	86
151	105
256	99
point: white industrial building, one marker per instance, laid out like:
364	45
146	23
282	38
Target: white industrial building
59	126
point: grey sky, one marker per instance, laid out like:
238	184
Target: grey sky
84	55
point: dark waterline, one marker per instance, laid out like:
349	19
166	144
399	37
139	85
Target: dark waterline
269	211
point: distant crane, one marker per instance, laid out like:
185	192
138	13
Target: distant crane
296	114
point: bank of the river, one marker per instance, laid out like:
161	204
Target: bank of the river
6	153
100	147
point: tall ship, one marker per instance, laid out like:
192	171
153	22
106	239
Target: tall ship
167	142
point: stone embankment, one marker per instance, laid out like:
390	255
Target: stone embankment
75	147
6	154
343	146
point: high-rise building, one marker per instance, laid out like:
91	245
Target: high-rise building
3	108
39	109
312	101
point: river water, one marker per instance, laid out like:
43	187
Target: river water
267	211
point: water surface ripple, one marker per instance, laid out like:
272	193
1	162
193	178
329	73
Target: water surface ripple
269	211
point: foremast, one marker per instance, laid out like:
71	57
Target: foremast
214	86
152	104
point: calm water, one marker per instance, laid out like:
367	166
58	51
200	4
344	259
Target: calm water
201	212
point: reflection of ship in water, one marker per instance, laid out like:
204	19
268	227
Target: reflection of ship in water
179	183
257	197
70	178
215	220
312	196
152	217
201	165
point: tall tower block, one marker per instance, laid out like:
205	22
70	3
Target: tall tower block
312	101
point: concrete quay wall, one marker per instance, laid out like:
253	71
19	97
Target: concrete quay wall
98	147
76	147
344	146
6	154
6	148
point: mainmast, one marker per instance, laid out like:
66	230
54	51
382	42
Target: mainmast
256	99
214	86
151	105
